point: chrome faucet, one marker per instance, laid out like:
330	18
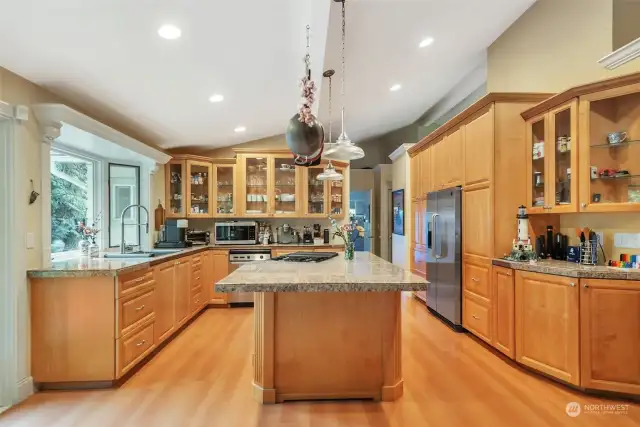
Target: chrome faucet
123	244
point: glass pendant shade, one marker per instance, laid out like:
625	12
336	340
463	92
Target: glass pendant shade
330	174
342	150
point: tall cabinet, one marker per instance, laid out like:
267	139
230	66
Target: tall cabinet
482	150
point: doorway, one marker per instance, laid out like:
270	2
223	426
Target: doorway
8	292
360	213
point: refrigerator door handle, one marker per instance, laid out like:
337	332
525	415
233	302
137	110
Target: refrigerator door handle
434	238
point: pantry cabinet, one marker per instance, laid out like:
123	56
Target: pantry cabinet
552	160
610	335
547	324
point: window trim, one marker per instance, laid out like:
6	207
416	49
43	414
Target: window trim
98	192
109	199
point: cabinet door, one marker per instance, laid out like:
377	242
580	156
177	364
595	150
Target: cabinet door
417	223
438	162
453	156
255	172
563	159
285	187
175	189
419	262
224	190
478	149
502	311
477	226
315	193
199	186
610	335
610	151
164	301
182	291
425	172
547	325
336	195
220	271
536	134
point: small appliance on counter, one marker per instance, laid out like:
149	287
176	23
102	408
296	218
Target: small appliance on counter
307	235
560	247
174	235
198	237
236	233
326	235
287	235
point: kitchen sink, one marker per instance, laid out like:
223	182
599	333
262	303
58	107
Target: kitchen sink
142	254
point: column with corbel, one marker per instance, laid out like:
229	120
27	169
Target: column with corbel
48	134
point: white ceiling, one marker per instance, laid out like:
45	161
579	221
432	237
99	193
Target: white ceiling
107	53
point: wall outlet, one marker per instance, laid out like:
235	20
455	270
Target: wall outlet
626	240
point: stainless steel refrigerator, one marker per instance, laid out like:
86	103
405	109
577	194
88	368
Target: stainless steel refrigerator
444	255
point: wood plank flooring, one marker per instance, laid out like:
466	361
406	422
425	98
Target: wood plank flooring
203	378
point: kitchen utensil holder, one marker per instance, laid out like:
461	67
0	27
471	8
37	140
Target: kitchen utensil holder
589	252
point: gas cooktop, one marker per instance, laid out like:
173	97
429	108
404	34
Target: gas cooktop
306	256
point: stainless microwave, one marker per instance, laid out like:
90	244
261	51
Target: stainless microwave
236	233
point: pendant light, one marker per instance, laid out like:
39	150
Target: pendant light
330	173
343	148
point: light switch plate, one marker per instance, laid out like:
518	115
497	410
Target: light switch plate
31	241
626	240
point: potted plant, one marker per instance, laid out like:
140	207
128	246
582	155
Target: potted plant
349	232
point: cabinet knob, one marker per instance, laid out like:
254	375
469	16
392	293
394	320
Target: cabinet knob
572	284
584	205
585	286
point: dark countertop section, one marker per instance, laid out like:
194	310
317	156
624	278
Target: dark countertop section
571	269
95	267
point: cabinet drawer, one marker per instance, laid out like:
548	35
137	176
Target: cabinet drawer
132	282
196	280
196	262
477	280
132	310
476	317
196	290
133	348
196	301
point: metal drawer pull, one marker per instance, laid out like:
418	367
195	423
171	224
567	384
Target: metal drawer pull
475	317
198	278
474	279
141	343
140	308
139	279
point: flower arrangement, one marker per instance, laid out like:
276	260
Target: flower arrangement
89	232
349	232
308	87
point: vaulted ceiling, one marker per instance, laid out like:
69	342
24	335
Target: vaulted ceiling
109	54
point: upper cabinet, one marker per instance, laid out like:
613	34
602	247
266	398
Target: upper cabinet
478	149
175	189
584	149
199	186
336	194
285	189
552	158
224	190
254	184
610	150
323	198
447	160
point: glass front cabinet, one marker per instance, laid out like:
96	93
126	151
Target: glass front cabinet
322	198
199	186
175	189
224	194
610	150
552	159
285	187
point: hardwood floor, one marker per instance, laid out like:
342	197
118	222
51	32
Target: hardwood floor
203	378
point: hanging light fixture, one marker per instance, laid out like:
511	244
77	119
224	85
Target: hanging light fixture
343	148
330	173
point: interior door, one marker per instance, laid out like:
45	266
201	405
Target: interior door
431	257
448	254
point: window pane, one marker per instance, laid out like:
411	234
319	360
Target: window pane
124	182
72	195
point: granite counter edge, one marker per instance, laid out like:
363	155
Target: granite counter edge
567	271
320	287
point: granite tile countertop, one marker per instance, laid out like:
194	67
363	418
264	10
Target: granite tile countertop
571	269
366	273
94	267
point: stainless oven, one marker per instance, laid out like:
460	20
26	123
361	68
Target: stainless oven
236	233
237	258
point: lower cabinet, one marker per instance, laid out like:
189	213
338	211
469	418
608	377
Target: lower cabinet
164	276
182	290
219	270
610	335
502	311
419	261
476	297
547	324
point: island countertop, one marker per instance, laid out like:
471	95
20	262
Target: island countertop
366	273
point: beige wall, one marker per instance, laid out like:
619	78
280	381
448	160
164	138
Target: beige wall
554	45
382	206
400	179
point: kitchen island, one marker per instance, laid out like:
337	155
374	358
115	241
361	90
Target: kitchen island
327	330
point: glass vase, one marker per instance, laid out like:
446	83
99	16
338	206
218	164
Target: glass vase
94	250
349	250
83	246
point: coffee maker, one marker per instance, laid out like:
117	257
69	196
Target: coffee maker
174	234
307	235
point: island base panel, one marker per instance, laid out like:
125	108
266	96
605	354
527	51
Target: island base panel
327	345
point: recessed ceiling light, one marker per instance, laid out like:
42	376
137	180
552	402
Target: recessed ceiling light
395	88
426	42
240	129
216	98
169	32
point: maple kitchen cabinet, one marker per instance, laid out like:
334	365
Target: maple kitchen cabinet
175	189
219	266
503	310
610	335
547	326
224	189
164	275
591	174
321	198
